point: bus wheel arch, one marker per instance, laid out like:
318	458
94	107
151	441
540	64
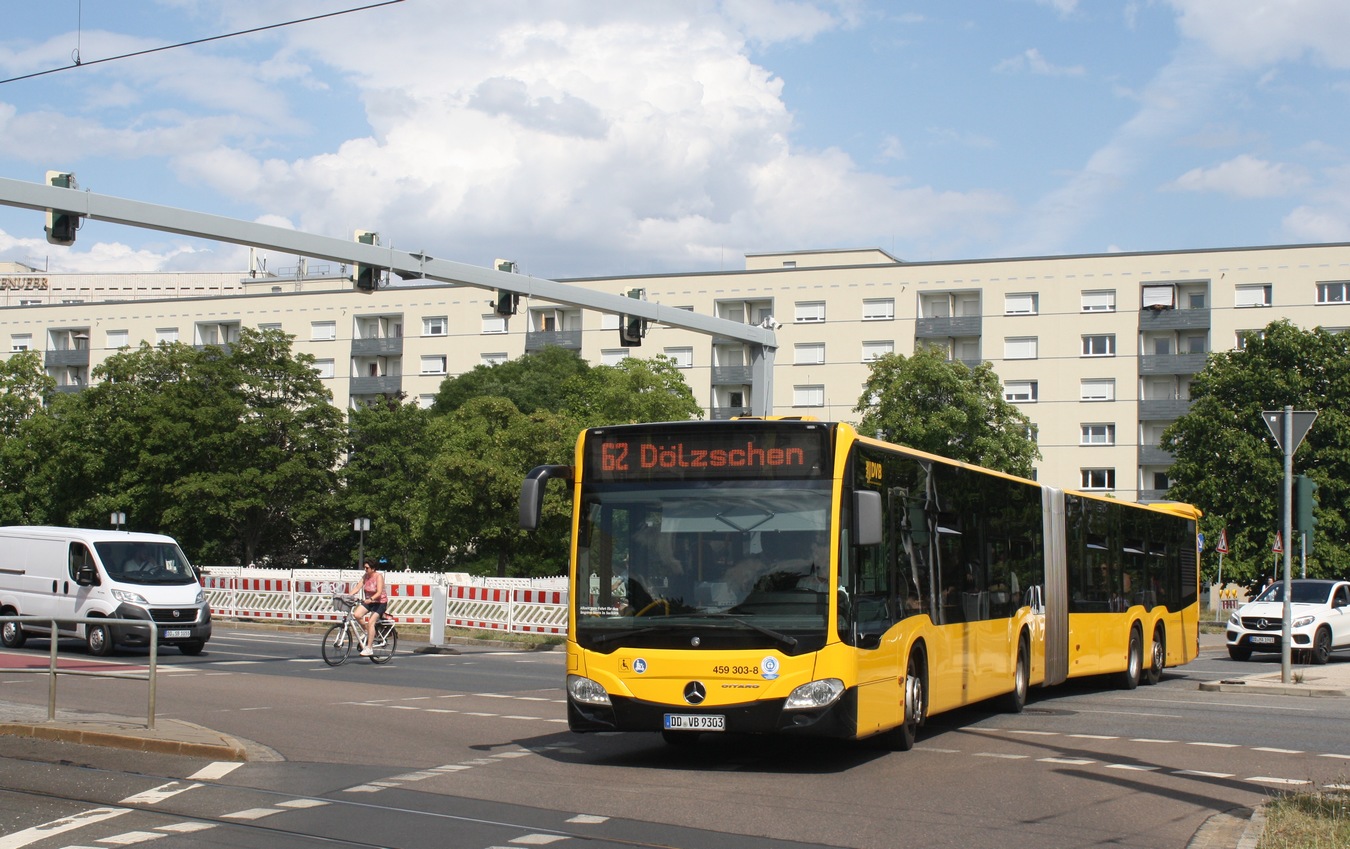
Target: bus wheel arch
1128	679
913	701
1157	655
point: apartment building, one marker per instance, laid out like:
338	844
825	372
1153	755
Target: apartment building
1098	350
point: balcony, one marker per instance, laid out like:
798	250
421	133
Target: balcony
724	413
947	326
1163	410
1171	319
538	340
66	357
731	376
378	346
388	384
1172	363
69	388
1147	496
1152	455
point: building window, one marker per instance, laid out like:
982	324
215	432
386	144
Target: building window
1252	296
613	356
263	327
118	339
319	331
433	364
683	357
169	335
494	323
324	368
873	351
1098	390
808	396
1020	391
808	354
1333	293
1245	336
1019	348
879	309
609	321
1099	478
21	342
1098	434
1100	345
1100	301
1025	303
809	312
1158	297
496	358
435	326
426	402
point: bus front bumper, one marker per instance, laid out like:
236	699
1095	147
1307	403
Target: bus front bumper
765	717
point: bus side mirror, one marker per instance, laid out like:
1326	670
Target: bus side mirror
866	517
532	492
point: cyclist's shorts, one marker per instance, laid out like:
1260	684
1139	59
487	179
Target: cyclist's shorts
377	607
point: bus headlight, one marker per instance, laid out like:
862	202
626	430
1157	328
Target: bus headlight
815	695
130	598
586	691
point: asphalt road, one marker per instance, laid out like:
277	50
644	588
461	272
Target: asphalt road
471	750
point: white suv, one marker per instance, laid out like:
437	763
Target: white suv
1321	614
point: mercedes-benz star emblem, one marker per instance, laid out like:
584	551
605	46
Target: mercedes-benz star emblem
695	693
1262	625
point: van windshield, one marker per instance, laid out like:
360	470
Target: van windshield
135	562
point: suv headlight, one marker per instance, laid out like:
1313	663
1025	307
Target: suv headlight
815	695
130	598
586	691
1304	621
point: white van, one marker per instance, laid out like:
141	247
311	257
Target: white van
75	572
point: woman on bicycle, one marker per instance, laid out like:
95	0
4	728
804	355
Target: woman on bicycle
374	601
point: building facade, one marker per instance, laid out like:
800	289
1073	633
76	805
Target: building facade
1098	350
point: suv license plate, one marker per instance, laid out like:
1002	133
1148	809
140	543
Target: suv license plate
695	722
1263	640
181	634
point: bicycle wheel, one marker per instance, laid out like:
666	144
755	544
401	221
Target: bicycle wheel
337	644
384	645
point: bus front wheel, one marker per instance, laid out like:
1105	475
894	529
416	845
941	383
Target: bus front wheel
915	704
1134	662
1016	700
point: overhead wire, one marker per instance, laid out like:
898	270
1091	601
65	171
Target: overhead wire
78	63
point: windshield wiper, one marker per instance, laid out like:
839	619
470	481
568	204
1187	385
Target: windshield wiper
784	639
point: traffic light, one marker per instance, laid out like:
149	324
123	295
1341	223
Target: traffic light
631	327
366	277
1305	499
61	226
507	301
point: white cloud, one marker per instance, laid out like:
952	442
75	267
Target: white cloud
1260	32
1033	62
1243	176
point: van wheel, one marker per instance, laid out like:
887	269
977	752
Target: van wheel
193	648
98	640
11	634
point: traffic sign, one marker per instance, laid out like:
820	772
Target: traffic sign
1279	545
1222	547
1301	424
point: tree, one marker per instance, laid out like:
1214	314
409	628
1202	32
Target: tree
533	382
470	491
24	387
1227	464
635	390
943	407
387	456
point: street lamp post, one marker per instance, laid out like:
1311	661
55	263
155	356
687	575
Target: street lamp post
361	526
118	519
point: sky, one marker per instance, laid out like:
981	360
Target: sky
612	137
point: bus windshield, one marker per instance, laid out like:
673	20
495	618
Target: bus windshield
711	564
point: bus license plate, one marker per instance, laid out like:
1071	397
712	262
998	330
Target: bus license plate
695	722
1263	639
177	635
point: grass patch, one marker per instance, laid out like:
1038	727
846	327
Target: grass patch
1319	820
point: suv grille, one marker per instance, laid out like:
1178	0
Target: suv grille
1262	623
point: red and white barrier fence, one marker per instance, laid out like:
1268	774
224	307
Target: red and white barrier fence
520	606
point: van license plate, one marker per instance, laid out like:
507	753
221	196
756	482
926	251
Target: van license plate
181	634
695	722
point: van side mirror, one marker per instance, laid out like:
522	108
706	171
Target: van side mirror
866	517
85	576
532	492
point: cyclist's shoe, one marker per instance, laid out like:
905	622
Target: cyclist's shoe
366	652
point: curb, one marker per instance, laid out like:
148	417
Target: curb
1271	689
133	737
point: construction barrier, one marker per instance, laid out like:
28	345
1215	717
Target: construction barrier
511	605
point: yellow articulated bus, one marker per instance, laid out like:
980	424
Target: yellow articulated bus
794	577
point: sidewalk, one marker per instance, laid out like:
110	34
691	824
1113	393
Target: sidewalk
168	737
1328	681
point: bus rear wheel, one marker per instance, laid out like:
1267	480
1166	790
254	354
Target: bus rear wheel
1015	701
1157	659
1134	662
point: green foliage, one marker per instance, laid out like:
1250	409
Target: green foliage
1227	464
943	407
387	456
635	390
533	382
24	388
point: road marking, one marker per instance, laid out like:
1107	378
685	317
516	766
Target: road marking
158	794
128	838
1266	779
1001	755
1278	751
219	769
252	813
302	803
41	832
1068	761
1215	745
1135	767
185	827
588	819
1202	774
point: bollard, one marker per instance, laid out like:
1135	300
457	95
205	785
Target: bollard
440	611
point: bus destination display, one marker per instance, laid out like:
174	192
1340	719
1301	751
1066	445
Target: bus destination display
620	454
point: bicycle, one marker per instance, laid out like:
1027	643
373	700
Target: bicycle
338	642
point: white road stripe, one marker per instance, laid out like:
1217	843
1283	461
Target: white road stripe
157	794
219	769
19	839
